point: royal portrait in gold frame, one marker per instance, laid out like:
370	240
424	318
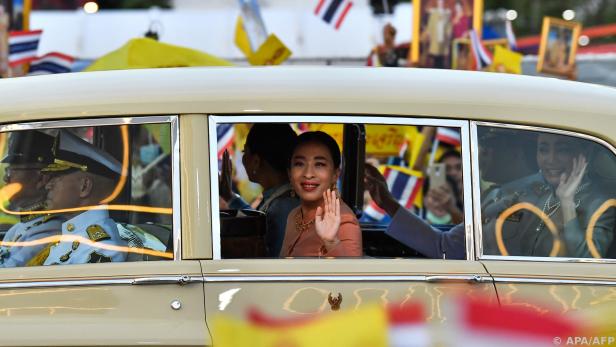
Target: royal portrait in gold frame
559	40
436	24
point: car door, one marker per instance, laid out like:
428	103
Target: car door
152	297
566	268
288	288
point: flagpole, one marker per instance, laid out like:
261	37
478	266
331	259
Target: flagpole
433	153
4	43
385	7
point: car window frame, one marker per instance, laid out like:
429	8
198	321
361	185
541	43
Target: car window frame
172	120
462	124
477	190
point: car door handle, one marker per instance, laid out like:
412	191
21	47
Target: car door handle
181	280
456	278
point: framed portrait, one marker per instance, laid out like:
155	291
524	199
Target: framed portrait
438	23
461	51
559	40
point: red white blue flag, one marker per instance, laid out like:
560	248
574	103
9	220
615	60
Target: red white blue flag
481	55
403	185
449	136
225	134
51	63
333	11
23	46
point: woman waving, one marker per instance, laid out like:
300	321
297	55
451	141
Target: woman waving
322	225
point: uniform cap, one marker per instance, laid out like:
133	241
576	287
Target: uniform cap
71	153
28	147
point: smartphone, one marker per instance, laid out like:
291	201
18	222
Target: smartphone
437	173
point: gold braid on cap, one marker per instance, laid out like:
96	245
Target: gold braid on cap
62	165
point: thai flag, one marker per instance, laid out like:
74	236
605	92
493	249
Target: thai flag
408	325
51	63
402	185
23	46
481	55
399	160
225	134
510	35
333	11
483	323
449	136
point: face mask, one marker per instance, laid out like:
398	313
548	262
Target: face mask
147	153
434	219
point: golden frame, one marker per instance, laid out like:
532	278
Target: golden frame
416	30
567	65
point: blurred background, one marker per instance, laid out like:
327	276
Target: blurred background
87	30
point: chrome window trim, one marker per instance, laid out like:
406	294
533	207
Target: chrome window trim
132	120
477	191
463	125
158	280
502	279
81	122
549	259
343	278
182	280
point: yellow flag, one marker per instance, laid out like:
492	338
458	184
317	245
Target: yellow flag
271	52
506	60
363	327
241	37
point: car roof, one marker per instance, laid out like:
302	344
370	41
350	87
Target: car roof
314	90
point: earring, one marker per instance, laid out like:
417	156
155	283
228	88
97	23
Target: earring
292	193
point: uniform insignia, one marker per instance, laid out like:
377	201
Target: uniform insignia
29	217
75	245
66	257
96	257
97	233
36	207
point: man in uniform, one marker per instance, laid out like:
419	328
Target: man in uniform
28	152
82	176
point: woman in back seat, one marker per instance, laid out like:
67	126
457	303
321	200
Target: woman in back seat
322	225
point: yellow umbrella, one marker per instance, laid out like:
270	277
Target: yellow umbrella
145	53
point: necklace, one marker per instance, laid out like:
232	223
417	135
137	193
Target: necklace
550	209
300	225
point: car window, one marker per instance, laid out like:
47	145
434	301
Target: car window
87	194
546	194
267	186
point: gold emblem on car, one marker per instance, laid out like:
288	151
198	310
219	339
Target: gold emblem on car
334	302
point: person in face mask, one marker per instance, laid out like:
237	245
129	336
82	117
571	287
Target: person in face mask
145	152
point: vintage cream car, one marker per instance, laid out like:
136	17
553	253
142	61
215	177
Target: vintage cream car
186	261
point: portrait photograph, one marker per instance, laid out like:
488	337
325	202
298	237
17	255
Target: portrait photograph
558	46
439	23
